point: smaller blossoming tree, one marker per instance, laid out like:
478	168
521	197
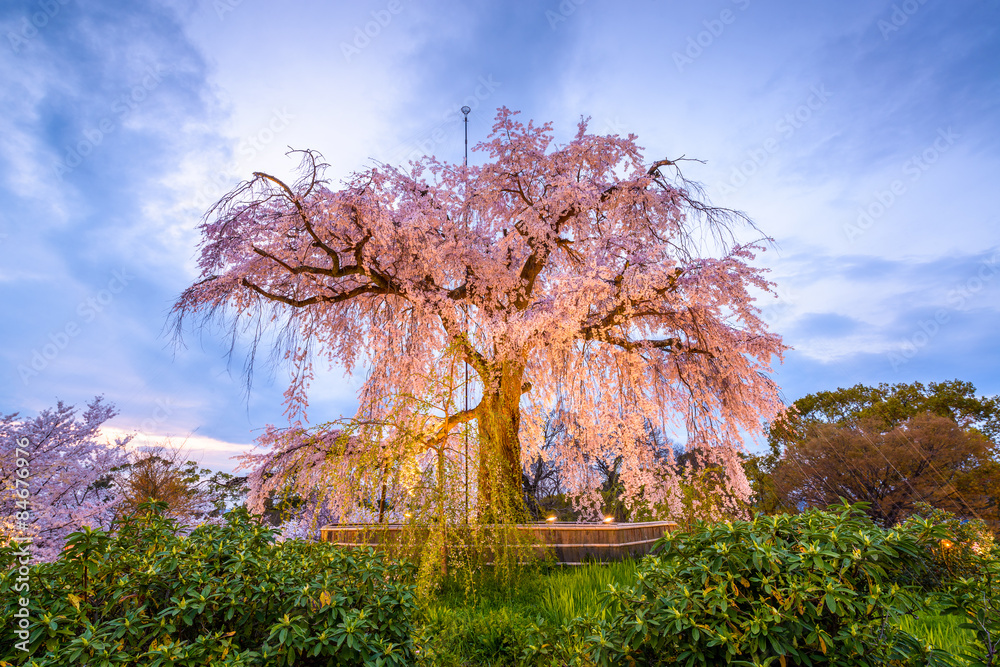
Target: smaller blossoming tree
67	479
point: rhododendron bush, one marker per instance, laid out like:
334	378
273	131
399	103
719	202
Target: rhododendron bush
574	278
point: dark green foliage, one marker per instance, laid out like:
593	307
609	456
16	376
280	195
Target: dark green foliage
891	405
964	550
224	595
963	569
820	588
977	600
817	588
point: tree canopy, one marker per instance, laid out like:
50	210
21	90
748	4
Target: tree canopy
887	406
892	446
576	277
68	481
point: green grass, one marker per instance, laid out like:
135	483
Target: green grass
941	632
575	591
491	627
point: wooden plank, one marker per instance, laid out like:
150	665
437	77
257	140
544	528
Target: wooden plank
570	542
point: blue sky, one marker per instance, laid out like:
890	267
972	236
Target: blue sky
861	136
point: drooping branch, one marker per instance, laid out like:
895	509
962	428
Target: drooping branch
292	197
302	303
567	273
671	344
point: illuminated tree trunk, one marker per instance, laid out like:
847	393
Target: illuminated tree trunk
580	254
499	475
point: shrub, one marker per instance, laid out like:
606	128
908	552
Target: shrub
223	595
962	551
963	571
977	601
818	588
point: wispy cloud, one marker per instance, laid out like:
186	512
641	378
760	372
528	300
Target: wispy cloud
123	121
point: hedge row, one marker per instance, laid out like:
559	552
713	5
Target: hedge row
223	595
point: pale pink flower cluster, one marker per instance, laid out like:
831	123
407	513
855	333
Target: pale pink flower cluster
68	474
573	278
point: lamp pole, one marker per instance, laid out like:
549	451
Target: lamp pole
465	216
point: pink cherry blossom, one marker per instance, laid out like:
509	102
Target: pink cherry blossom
68	476
576	278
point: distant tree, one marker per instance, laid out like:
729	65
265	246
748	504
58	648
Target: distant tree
981	485
759	468
577	274
192	494
887	406
872	413
67	478
926	458
543	490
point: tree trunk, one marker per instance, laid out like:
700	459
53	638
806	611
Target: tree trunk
499	475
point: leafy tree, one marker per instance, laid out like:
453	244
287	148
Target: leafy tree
923	459
759	469
887	406
66	478
574	276
191	494
881	445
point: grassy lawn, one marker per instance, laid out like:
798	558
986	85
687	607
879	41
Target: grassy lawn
491	627
941	632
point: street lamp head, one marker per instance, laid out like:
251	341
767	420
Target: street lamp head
466	110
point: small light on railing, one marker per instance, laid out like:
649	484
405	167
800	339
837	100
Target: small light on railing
551	519
608	519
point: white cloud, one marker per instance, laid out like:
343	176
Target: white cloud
207	452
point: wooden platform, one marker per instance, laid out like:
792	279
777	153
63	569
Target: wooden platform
570	543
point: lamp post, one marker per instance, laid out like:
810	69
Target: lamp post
465	216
